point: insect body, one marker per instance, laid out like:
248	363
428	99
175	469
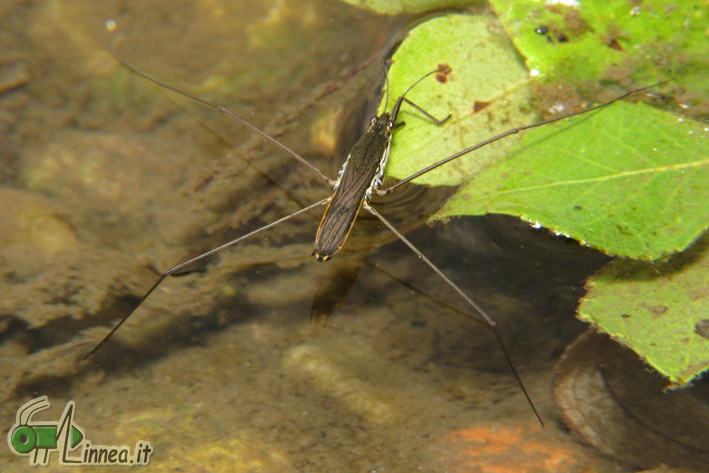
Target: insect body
360	176
360	173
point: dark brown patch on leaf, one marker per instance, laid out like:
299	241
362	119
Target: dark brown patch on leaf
480	105
442	74
702	328
614	44
658	309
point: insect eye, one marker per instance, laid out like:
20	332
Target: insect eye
373	120
392	125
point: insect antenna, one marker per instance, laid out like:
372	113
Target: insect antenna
386	87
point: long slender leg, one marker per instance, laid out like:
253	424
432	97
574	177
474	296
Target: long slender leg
478	309
428	115
225	111
194	260
513	131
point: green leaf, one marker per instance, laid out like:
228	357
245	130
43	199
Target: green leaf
659	311
486	92
629	180
613	39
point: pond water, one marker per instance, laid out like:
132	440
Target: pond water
107	181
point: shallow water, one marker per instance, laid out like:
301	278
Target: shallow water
111	181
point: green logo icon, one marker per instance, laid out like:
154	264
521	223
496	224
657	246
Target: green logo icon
38	440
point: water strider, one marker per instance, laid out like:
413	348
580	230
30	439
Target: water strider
359	178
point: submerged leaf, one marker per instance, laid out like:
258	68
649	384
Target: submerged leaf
605	395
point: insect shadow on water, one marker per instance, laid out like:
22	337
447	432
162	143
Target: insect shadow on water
359	178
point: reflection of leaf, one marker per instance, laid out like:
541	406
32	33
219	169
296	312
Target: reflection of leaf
629	180
387	7
657	310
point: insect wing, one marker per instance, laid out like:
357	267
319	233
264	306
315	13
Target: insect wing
362	166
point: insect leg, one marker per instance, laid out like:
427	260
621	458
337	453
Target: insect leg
225	111
478	309
428	115
194	260
513	131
